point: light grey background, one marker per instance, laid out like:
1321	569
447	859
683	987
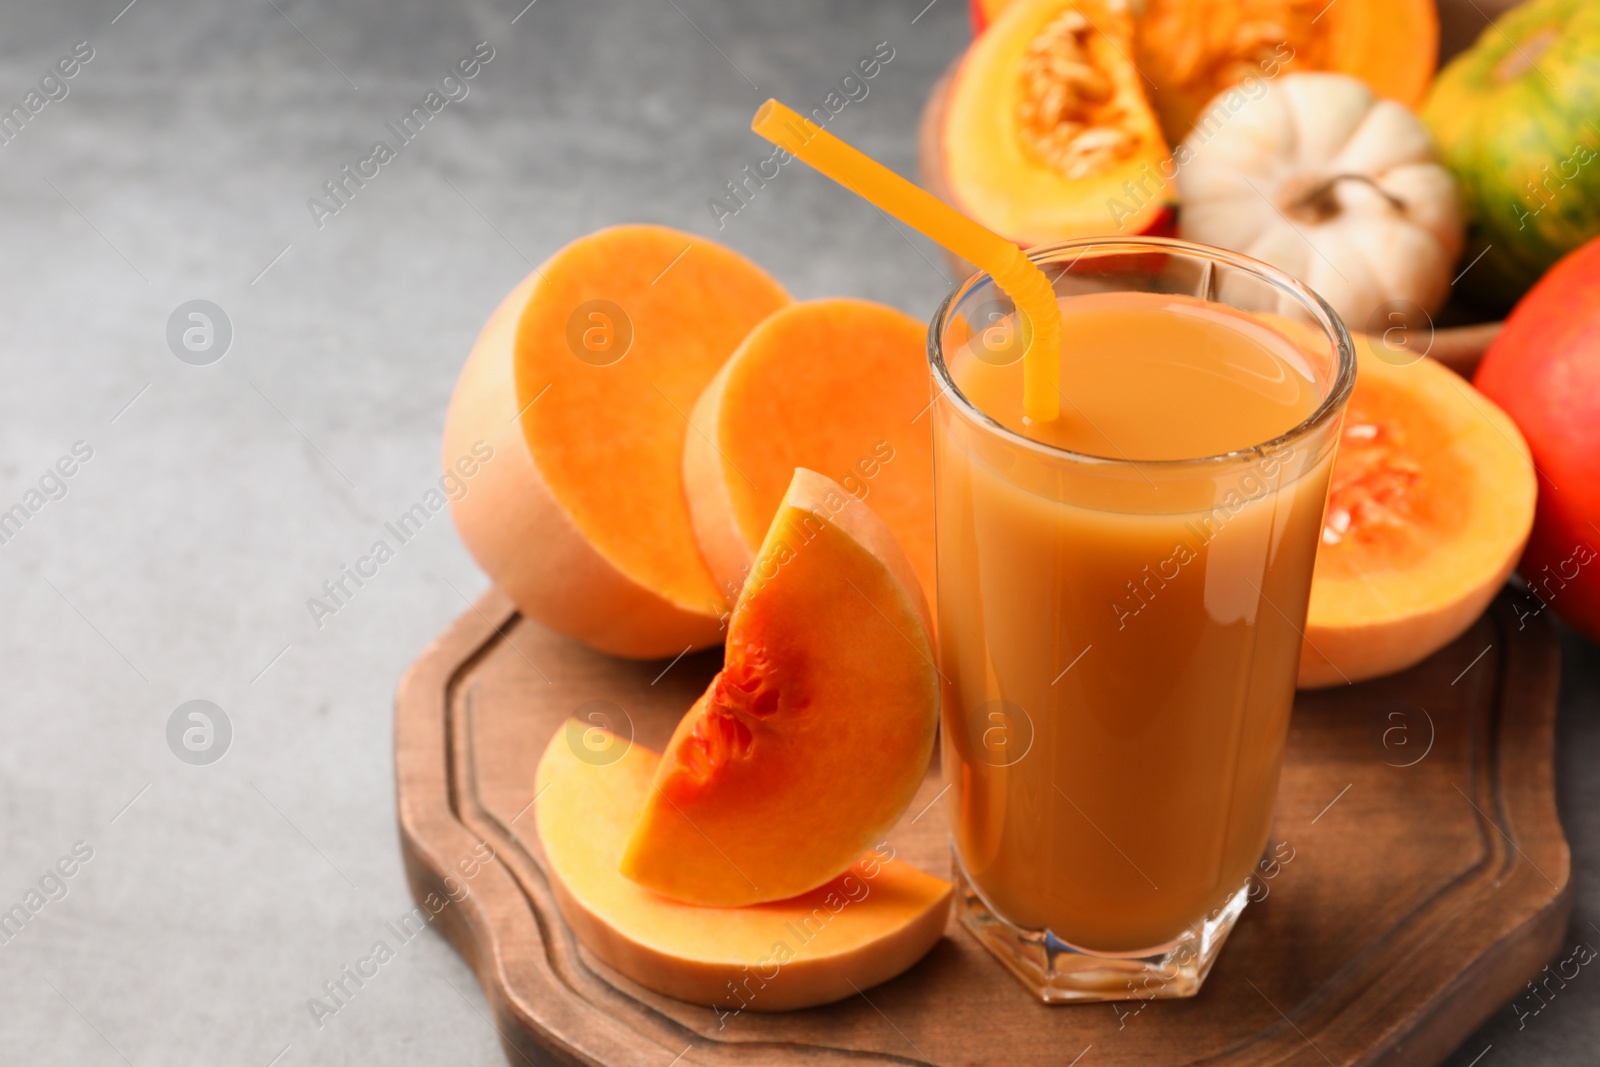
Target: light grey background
219	498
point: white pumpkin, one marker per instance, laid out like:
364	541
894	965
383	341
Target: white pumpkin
1314	175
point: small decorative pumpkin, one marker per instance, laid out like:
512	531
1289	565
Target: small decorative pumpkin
1316	176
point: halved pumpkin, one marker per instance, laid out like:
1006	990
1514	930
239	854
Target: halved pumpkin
581	385
862	928
814	737
1046	133
1192	50
1431	502
853	412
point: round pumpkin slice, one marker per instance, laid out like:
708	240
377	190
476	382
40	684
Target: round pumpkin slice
1431	503
815	735
831	385
598	356
861	928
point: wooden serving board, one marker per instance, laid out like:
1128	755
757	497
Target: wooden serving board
1427	877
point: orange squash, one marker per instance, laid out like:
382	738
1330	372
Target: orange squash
814	737
599	355
1192	50
832	385
862	928
1431	502
1046	134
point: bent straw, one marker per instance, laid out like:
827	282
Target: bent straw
1016	275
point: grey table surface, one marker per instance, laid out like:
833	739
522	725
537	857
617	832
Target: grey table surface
176	563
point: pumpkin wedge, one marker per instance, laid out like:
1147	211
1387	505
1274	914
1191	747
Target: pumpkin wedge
814	737
597	357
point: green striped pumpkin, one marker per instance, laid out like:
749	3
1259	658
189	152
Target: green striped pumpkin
1517	119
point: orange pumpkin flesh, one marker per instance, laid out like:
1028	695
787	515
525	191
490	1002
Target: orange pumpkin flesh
600	354
1431	502
831	385
1193	50
862	928
1046	133
813	738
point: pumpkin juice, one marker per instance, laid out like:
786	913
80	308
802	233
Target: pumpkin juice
1120	619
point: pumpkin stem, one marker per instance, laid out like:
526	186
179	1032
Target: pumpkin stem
1318	204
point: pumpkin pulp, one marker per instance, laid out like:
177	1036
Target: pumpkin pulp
1431	501
1386	508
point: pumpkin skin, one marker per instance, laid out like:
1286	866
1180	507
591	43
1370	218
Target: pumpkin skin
983	12
1544	370
1314	175
1517	119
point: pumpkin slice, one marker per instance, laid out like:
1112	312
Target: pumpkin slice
862	928
1191	51
600	354
1431	502
831	385
1047	135
813	738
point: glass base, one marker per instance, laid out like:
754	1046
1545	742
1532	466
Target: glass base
1059	973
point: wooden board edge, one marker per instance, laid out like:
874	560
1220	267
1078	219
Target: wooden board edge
1524	790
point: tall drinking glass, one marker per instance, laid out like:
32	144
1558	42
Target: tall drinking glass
1121	600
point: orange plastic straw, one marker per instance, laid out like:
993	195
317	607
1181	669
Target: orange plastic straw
1012	270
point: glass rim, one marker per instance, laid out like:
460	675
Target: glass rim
1330	407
